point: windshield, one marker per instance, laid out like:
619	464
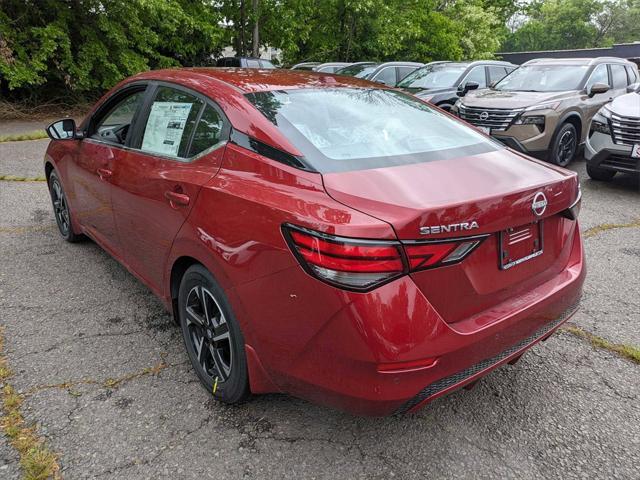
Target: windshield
341	129
433	76
543	78
358	71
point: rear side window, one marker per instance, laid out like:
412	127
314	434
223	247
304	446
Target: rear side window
171	121
353	128
208	132
619	76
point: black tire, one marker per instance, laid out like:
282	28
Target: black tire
600	174
220	365
565	145
61	209
446	107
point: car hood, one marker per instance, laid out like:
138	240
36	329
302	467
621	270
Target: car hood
626	105
503	99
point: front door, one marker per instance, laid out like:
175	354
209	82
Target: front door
178	148
92	167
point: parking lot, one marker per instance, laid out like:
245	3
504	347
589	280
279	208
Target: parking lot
104	376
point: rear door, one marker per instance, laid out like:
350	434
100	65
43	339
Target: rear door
179	145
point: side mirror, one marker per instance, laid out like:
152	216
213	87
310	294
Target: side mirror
598	88
634	87
63	130
466	88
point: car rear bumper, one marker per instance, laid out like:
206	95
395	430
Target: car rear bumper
349	361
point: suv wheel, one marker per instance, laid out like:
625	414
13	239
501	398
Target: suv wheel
565	145
600	174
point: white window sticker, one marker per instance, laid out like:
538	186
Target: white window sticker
167	121
635	153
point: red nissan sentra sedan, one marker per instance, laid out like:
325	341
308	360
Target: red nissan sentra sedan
322	236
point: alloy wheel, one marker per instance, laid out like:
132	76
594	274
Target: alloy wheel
566	148
60	207
209	334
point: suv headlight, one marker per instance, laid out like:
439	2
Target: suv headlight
543	106
600	122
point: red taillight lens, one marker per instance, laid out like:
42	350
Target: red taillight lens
346	262
362	265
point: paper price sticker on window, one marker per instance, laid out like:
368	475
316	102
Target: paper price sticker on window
165	126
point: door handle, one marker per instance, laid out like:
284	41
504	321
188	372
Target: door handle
103	173
176	198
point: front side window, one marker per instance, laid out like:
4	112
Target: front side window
544	78
599	75
633	77
358	71
497	73
478	76
115	124
251	63
170	123
353	128
386	76
433	76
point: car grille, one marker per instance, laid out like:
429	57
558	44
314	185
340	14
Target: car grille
622	164
444	383
626	130
494	118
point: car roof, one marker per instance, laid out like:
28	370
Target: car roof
576	61
401	64
251	80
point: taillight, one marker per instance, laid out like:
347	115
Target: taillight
574	210
346	262
361	265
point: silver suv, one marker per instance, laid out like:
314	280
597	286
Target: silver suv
613	144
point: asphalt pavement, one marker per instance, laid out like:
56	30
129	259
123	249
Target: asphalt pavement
106	380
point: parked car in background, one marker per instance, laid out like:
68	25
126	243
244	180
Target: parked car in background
545	107
244	62
337	240
305	66
438	82
388	73
330	67
613	144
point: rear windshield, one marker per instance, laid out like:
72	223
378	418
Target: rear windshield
341	129
544	78
359	71
433	76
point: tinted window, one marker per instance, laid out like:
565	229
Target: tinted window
477	75
619	75
359	71
208	131
433	76
386	76
404	71
544	78
496	73
170	123
599	75
114	125
366	128
251	63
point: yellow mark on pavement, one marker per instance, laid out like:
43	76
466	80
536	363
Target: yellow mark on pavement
603	227
17	178
626	351
19	137
27	228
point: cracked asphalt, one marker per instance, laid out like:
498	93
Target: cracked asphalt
108	385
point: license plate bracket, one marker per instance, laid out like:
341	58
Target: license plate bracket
486	130
520	244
